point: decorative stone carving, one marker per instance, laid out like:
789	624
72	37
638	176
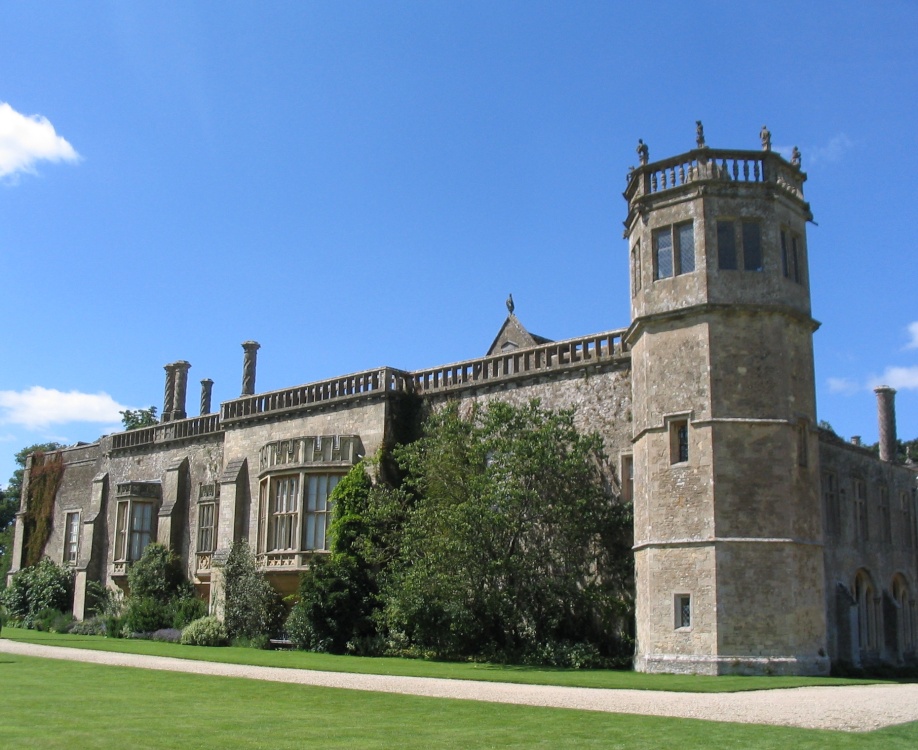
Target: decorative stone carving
642	151
795	157
510	305
765	135
248	367
699	134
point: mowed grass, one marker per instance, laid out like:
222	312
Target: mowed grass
593	678
53	704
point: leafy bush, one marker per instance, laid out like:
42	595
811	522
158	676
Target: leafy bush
40	587
114	627
103	601
208	631
89	626
186	610
158	575
251	606
145	614
52	620
3	617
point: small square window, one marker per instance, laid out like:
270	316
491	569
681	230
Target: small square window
683	611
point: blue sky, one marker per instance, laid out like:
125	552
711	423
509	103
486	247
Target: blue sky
356	184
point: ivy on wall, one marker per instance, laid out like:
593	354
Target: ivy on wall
44	481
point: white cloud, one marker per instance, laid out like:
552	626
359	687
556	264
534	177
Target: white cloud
843	385
39	407
913	335
901	378
832	151
27	139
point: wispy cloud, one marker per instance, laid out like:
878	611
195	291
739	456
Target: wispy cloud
833	151
912	335
901	378
843	385
38	407
28	139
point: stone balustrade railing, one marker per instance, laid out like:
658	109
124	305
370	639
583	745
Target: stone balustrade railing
181	429
717	165
369	382
578	352
522	362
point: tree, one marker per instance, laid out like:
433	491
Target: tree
252	610
515	547
135	419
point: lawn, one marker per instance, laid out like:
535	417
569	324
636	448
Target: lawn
55	704
598	678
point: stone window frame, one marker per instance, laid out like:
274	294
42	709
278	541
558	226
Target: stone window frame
678	430
208	515
678	256
129	497
883	510
70	552
832	501
636	268
683	611
626	462
738	230
290	524
793	266
861	511
906	627
869	612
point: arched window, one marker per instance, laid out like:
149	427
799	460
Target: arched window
905	625
867	612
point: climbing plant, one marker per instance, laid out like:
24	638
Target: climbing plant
44	481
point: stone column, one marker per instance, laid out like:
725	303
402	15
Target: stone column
181	389
248	367
207	387
169	395
886	416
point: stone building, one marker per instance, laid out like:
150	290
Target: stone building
762	543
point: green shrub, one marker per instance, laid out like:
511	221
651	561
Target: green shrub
103	601
114	628
158	575
89	626
145	614
40	587
167	635
251	606
208	631
3	617
186	610
260	642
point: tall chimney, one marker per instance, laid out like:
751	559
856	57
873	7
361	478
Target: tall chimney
181	389
886	416
248	367
207	386
169	394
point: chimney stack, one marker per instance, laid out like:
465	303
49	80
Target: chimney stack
181	389
169	394
248	367
207	386
886	416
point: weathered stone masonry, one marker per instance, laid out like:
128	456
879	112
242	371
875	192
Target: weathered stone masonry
762	544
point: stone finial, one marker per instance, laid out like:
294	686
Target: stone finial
699	134
855	440
886	418
795	157
181	388
510	306
765	135
207	387
248	367
169	393
642	151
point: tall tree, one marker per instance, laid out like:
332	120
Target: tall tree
516	547
134	419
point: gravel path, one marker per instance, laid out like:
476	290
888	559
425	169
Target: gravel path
851	708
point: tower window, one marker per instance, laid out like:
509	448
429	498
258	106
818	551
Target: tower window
791	256
739	244
678	441
682	604
673	250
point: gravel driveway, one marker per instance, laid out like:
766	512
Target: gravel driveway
849	708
